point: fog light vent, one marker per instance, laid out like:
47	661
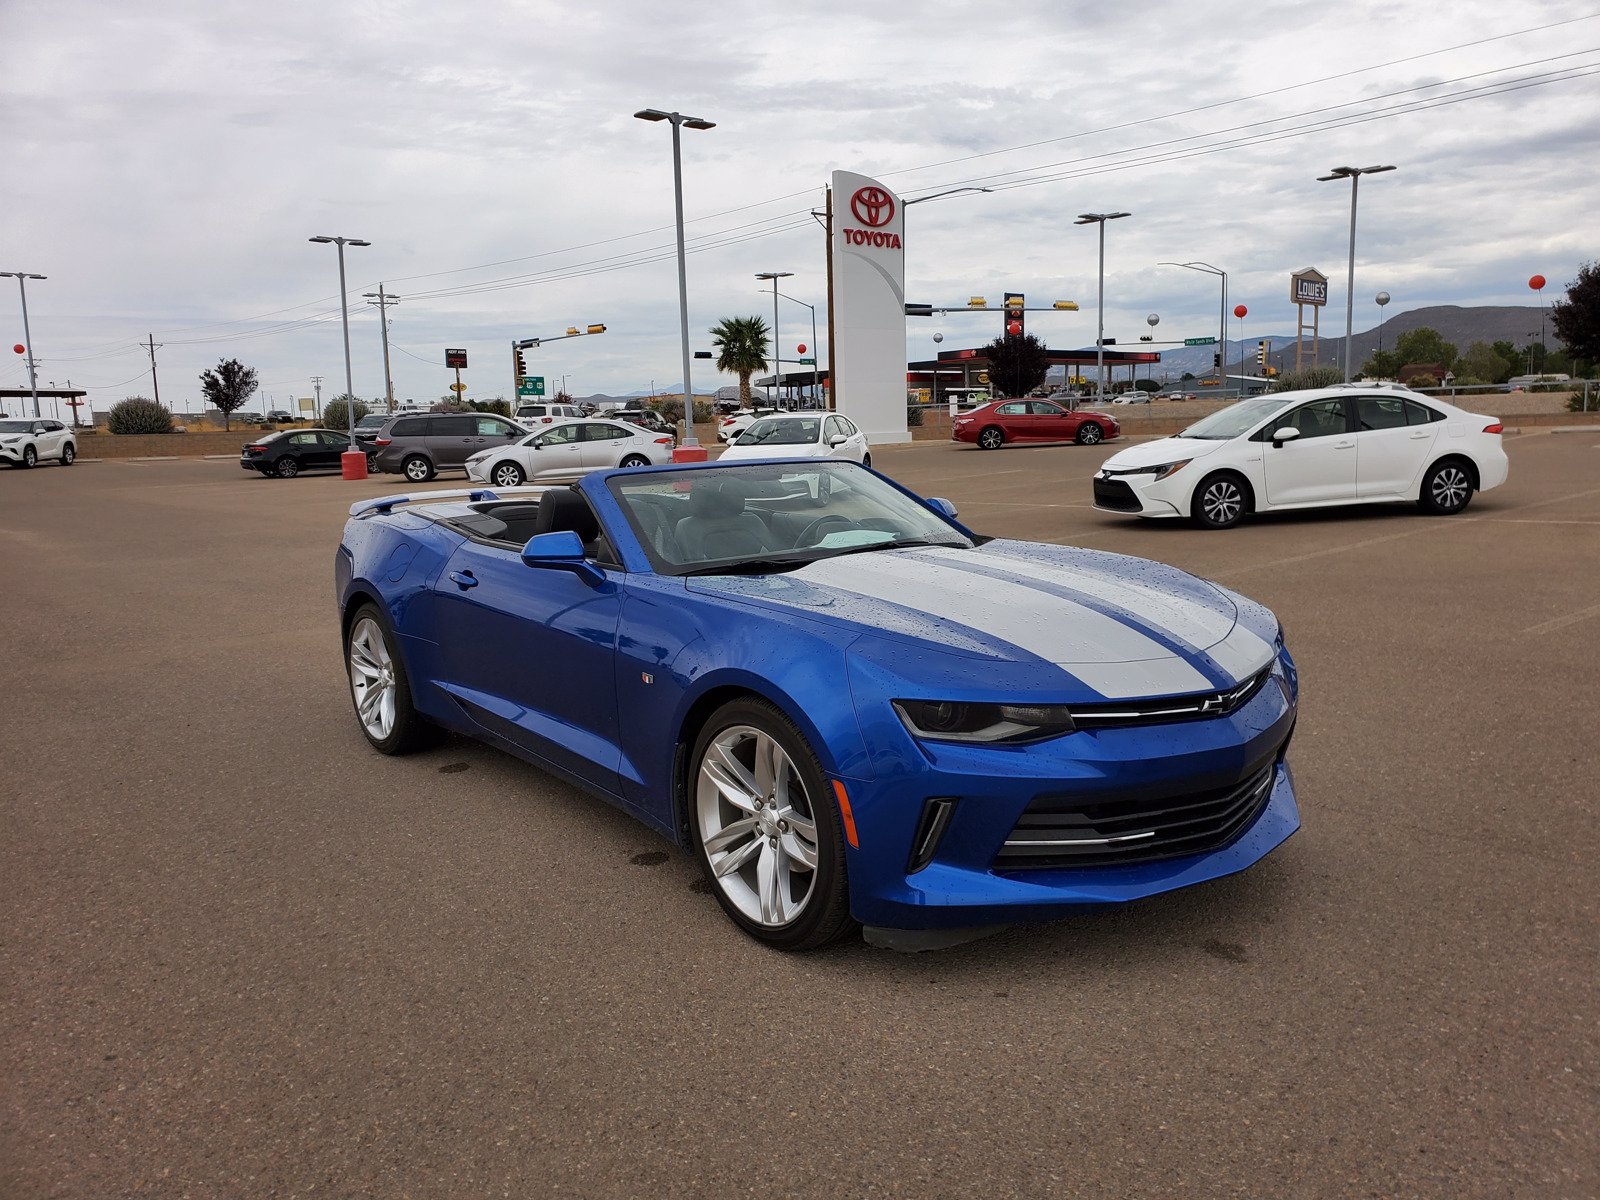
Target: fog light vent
936	814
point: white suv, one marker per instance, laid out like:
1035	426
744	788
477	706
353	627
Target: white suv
24	441
533	415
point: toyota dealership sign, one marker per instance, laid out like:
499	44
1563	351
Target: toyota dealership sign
869	306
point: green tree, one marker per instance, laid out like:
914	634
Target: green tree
335	413
1384	364
228	387
138	414
1425	346
1576	319
1482	364
741	345
1507	351
1017	365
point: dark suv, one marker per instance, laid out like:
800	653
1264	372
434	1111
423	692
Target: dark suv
419	446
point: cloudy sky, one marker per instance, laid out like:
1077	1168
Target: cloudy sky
165	163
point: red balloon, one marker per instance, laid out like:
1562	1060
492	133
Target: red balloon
802	348
1239	311
1537	283
20	348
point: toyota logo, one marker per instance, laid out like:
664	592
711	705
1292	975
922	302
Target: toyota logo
872	206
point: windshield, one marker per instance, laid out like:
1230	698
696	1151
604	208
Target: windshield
781	431
16	426
1234	420
771	517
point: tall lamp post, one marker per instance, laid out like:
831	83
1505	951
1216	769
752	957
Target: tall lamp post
777	361
816	376
1382	301
22	278
1353	174
351	470
690	442
1100	219
1222	318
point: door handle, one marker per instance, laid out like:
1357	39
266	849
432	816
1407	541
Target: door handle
1344	445
1421	433
463	579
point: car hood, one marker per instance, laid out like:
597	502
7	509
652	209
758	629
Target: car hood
1120	626
1162	450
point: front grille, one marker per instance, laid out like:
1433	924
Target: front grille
1113	493
1077	831
1173	708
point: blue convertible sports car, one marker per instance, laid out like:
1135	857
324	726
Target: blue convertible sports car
846	705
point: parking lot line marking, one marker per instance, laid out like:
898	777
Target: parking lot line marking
1572	618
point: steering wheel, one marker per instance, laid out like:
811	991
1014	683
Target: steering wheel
815	531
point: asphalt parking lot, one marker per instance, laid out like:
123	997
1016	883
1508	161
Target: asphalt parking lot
246	956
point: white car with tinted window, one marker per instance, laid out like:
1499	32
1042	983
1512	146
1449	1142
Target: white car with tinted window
24	442
1310	449
570	449
815	435
735	423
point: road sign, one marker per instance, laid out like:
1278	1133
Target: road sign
455	358
806	362
530	385
1199	341
458	387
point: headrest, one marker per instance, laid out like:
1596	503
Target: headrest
723	498
561	510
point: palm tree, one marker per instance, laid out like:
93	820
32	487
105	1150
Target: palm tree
741	344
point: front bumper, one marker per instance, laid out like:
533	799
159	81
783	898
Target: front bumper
11	454
971	880
1141	495
476	471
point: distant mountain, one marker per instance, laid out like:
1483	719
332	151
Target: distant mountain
1518	324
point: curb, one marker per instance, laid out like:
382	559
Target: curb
156	458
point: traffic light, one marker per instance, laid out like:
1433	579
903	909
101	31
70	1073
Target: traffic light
1261	353
1014	311
595	329
1216	361
522	367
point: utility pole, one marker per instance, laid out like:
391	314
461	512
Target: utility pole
381	300
316	383
154	382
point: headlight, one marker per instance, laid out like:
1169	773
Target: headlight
957	721
1171	468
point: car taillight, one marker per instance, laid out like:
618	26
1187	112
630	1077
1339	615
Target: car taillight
545	420
1497	427
663	441
381	441
255	449
727	420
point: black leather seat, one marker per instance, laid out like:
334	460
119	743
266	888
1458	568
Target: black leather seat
566	510
718	526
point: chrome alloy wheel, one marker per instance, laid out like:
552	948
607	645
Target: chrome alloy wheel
372	681
756	824
1222	502
1450	488
991	439
507	475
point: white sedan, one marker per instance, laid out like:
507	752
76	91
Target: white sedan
568	450
819	435
1350	444
732	425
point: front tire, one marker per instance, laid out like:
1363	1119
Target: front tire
380	689
287	468
417	469
506	475
1090	434
1220	501
866	460
766	830
30	457
1446	489
69	455
991	438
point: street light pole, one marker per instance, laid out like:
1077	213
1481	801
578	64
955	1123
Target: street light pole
815	375
677	119
1222	322
777	360
1100	219
1353	174
27	336
344	312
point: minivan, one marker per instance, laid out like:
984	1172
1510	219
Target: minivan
420	446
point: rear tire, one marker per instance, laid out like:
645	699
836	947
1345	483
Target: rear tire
506	475
1090	434
69	455
417	469
1446	488
992	438
635	460
287	468
1220	501
380	688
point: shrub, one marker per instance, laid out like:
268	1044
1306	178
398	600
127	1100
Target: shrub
670	410
1422	381
335	417
703	412
1312	377
137	414
913	415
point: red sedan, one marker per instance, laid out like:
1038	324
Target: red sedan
1002	421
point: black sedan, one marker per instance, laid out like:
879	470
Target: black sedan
288	453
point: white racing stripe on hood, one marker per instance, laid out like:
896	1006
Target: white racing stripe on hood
1115	660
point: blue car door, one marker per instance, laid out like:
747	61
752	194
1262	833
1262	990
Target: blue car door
529	653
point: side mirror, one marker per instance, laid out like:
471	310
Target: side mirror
562	550
943	507
838	439
1287	434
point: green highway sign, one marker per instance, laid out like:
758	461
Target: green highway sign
1199	341
806	362
530	385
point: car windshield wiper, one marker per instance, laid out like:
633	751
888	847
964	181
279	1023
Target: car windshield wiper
897	544
755	566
